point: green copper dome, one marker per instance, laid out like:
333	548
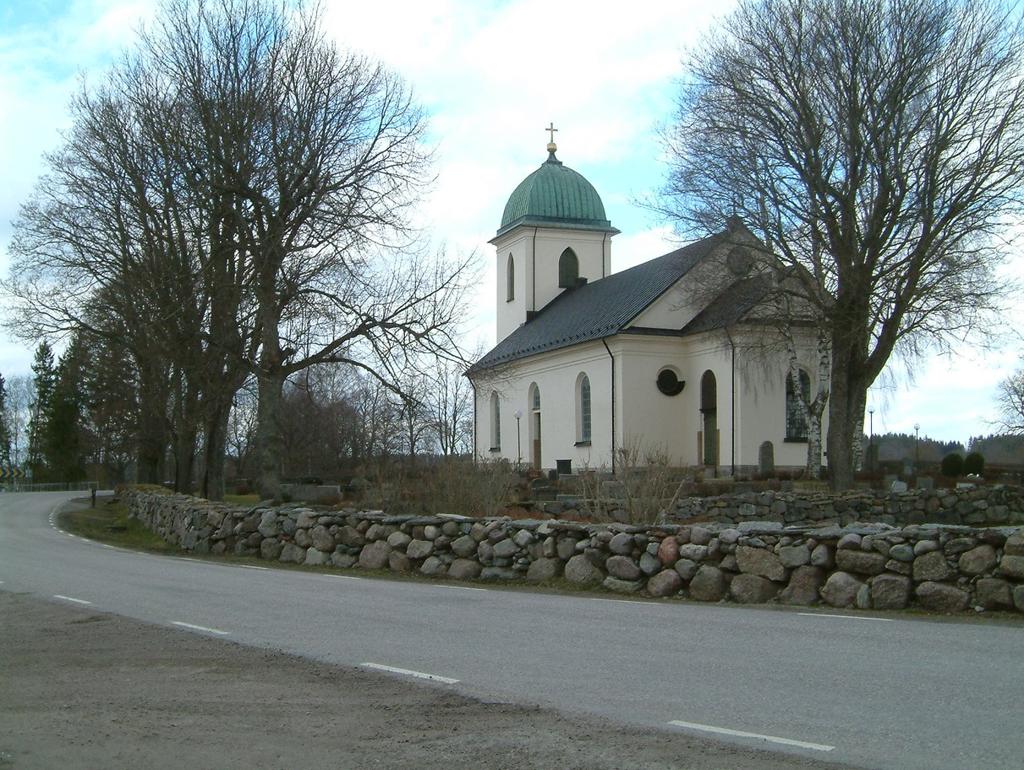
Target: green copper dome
555	196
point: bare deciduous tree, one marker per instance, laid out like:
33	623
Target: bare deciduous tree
876	148
1010	398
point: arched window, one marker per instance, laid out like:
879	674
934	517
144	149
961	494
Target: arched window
533	399
796	416
583	409
510	279
568	269
495	423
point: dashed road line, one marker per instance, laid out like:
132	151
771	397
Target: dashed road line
70	599
194	627
844	617
104	545
758	736
252	566
410	672
344	577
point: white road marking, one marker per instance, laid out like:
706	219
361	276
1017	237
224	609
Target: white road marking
408	672
844	617
759	736
189	558
251	566
345	577
459	588
71	599
104	545
216	631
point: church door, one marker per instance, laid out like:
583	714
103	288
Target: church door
535	426
709	418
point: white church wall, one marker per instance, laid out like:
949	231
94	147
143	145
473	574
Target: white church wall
511	315
555	374
655	421
592	249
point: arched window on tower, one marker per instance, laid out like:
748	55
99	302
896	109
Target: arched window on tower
495	422
510	279
568	269
583	409
796	418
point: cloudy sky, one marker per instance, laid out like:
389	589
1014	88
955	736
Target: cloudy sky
491	75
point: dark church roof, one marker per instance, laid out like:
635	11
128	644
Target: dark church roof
598	309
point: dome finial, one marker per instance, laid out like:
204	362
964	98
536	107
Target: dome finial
552	147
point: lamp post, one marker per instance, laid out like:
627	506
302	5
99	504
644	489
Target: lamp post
518	414
917	445
871	439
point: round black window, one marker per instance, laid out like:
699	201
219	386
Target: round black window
669	383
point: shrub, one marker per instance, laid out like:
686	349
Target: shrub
974	463
952	465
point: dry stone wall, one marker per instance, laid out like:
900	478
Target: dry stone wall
983	506
943	568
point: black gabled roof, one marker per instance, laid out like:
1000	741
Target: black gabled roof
597	309
731	305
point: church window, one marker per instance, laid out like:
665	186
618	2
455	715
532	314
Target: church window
495	423
583	411
568	269
535	398
796	417
510	279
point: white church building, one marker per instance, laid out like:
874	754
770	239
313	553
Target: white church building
675	356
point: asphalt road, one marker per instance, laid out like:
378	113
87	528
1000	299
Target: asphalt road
869	691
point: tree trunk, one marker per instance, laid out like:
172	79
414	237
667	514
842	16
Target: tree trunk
268	434
213	453
849	393
152	440
184	457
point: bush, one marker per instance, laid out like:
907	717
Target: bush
974	463
952	465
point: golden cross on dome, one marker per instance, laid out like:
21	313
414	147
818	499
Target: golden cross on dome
551	130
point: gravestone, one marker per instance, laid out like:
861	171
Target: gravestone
766	459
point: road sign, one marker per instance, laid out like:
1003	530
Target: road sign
8	472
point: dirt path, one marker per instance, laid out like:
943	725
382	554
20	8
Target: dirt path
80	689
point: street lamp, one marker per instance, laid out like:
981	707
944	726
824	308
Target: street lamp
871	439
518	414
917	444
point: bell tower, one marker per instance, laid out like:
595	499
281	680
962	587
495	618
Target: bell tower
553	237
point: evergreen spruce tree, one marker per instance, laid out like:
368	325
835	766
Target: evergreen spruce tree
62	439
44	378
5	430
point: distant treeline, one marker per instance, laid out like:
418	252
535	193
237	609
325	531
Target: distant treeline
997	449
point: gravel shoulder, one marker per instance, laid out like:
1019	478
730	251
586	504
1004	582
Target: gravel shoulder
82	689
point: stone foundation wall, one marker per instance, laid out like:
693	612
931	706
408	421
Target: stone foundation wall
936	567
984	506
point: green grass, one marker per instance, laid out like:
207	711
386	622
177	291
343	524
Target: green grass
242	499
108	522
